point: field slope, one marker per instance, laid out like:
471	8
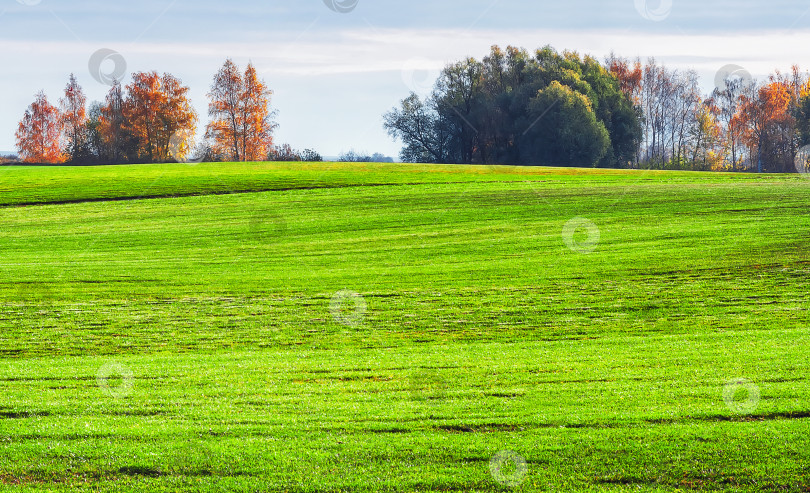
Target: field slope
345	327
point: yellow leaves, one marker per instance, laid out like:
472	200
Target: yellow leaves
180	145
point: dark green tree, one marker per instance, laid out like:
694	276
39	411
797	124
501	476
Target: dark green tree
562	130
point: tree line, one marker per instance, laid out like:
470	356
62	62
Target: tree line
511	107
563	109
151	120
742	125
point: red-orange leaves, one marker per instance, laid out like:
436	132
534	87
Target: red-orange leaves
157	108
38	134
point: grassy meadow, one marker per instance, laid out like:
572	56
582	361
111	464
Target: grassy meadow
336	327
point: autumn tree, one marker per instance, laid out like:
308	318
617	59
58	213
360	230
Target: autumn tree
156	111
223	108
727	105
242	125
73	119
770	125
38	133
706	140
629	76
257	139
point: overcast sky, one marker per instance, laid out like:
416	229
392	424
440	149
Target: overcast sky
337	65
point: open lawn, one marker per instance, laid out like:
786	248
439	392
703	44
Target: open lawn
368	327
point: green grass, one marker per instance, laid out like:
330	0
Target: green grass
217	298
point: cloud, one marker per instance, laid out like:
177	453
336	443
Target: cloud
358	52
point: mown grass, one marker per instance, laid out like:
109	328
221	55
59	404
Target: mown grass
340	327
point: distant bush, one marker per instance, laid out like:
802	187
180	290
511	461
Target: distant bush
361	157
311	156
285	152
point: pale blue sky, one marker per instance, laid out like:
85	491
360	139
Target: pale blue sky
335	74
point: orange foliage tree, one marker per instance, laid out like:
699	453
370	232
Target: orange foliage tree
38	133
241	127
156	112
770	125
74	118
629	77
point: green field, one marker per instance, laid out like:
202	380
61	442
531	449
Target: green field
344	327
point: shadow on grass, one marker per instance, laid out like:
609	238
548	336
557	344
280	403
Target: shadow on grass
140	471
717	418
701	481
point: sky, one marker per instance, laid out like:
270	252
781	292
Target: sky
336	66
